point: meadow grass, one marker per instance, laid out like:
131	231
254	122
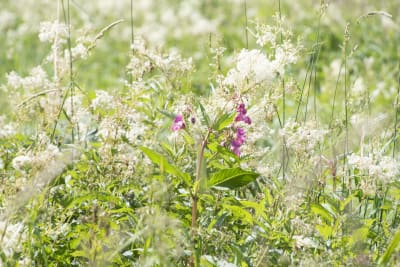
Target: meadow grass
199	133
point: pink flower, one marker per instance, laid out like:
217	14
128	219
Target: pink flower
238	141
178	123
241	109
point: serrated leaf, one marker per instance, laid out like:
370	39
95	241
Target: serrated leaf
164	165
204	114
232	178
166	113
224	121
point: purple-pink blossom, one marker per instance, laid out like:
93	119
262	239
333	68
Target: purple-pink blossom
178	123
241	116
238	141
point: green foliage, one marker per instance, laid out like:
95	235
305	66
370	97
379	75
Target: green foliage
286	153
232	178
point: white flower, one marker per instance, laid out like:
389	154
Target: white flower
49	31
252	66
380	167
304	242
14	80
11	237
79	51
21	161
103	100
302	138
6	129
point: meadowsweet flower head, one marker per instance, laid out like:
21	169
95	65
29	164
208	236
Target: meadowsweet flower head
12	235
103	100
383	168
252	66
49	31
20	162
178	123
303	140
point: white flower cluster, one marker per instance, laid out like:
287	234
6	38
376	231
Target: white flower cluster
79	51
37	79
383	168
265	34
138	67
11	237
304	242
49	31
103	100
144	59
252	67
39	159
20	162
302	139
6	129
285	54
128	124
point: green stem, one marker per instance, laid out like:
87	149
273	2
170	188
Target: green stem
195	196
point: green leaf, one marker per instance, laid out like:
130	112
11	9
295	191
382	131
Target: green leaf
166	113
239	213
80	253
232	178
164	165
204	114
322	211
224	121
389	251
324	230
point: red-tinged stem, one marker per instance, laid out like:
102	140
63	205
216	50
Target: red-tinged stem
195	196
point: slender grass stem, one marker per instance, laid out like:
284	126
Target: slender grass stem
396	111
334	95
245	24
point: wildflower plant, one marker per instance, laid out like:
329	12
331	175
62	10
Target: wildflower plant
199	133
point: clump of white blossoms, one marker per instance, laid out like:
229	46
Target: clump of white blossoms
50	31
37	79
36	159
6	129
21	162
11	239
252	67
103	100
383	168
170	63
302	139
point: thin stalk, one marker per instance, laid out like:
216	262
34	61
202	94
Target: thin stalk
67	19
245	24
308	95
132	31
346	106
334	95
195	196
55	47
284	146
396	109
302	89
